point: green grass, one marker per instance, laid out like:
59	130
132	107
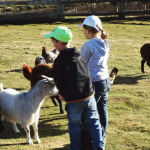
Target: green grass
129	97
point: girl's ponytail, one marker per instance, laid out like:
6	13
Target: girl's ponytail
104	34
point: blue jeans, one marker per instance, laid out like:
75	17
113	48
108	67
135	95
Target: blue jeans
101	96
74	113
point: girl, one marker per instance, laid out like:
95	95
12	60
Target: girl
95	51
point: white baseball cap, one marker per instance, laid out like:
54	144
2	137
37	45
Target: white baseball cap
92	21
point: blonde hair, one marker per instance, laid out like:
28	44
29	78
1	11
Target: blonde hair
104	34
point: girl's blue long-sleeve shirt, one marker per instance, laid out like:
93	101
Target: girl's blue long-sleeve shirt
95	51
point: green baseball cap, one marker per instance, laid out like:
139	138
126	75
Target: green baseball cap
62	34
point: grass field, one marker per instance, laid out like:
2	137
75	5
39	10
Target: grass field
129	97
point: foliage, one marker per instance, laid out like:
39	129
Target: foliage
129	97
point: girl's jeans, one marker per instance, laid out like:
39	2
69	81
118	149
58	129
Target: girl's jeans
74	113
101	96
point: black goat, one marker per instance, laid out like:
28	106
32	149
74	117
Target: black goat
145	54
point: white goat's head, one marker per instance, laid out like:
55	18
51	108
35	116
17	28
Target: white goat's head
49	85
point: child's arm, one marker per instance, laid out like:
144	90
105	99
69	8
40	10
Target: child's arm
59	77
85	52
61	98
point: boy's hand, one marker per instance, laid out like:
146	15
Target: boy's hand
61	98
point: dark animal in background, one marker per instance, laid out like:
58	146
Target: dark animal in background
41	69
49	56
113	74
27	70
47	70
55	52
145	54
39	60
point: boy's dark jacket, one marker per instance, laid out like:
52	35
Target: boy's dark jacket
72	76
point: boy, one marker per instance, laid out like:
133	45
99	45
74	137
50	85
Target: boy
72	78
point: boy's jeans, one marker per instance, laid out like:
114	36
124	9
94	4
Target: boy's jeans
101	96
74	113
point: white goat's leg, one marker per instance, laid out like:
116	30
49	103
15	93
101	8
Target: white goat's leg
15	127
27	130
35	127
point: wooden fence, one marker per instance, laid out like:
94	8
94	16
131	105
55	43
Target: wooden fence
46	10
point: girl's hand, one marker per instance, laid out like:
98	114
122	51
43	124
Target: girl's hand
61	98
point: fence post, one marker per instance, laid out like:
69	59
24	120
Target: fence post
145	8
60	10
120	10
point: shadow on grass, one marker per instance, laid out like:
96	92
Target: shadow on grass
12	144
113	20
53	126
15	70
54	118
125	21
46	127
129	79
66	147
62	148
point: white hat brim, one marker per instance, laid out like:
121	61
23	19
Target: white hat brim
79	25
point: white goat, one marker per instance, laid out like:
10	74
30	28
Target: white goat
24	107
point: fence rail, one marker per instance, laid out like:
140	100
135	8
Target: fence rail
29	2
62	8
101	1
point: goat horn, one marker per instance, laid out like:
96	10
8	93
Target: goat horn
45	77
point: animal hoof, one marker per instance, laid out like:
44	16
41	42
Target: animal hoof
38	141
61	111
29	142
17	131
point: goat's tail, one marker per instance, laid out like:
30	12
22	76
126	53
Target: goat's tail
1	86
